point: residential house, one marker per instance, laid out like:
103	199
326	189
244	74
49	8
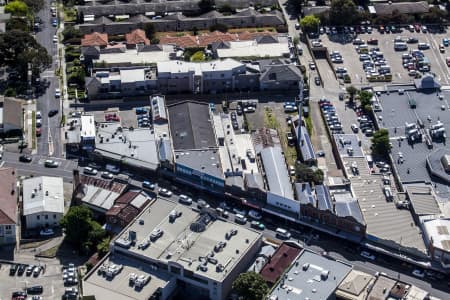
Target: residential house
136	37
11	116
43	201
8	207
276	75
95	39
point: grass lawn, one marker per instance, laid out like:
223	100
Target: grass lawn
309	125
50	253
33	130
70	14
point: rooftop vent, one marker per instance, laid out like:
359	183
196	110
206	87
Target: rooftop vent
324	274
305	267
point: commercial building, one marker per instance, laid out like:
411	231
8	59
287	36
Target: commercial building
87	133
11	116
191	250
262	47
355	286
311	276
43	201
279	261
8	207
437	236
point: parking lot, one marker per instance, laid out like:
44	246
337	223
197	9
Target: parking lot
50	279
385	44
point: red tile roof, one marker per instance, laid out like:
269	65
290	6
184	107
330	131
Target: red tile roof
95	39
245	35
186	41
123	208
127	197
137	36
216	36
110	185
280	261
8	196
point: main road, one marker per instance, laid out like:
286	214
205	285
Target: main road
49	143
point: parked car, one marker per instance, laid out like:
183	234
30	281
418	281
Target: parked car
148	185
418	273
51	163
90	171
57	93
254	215
29	270
317	80
52	112
185	199
25	158
165	192
107	175
257	225
12	269
367	255
37	289
46	232
21	269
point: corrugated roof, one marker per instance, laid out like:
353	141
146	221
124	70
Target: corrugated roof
305	145
422	200
323	198
280	261
276	172
304	193
402	7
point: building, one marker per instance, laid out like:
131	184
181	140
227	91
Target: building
279	261
125	209
87	133
8	207
437	238
3	19
265	46
276	75
95	39
382	288
355	286
11	116
411	8
311	276
43	201
174	245
136	37
305	146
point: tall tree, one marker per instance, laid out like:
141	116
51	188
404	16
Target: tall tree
343	12
351	90
250	286
17	8
310	23
380	143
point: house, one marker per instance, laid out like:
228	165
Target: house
386	9
8	207
276	75
279	261
11	116
43	201
136	37
95	39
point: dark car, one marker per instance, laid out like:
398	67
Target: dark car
19	295
52	112
37	289
21	270
25	158
13	270
317	80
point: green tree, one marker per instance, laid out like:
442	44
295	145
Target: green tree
17	8
305	173
103	247
250	286
150	30
198	56
380	143
352	91
365	97
18	23
206	5
34	5
343	12
71	32
310	23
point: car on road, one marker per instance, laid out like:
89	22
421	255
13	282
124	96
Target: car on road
320	153
148	185
185	200
38	123
312	66
254	215
445	42
441	48
317	80
418	273
367	255
297	26
52	112
283	233
354	128
90	171
57	93
25	158
46	232
51	163
240	211
55	22
55	39
38	115
107	175
36	289
257	225
165	192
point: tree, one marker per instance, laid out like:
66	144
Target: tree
250	286
71	32
351	90
17	8
18	23
310	23
365	97
34	5
150	30
380	143
206	5
343	12
198	56
103	247
305	173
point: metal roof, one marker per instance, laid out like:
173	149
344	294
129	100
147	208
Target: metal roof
347	206
305	145
304	193
43	194
276	172
323	198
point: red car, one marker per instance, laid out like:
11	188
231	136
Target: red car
417	27
448	61
38	131
372	42
112	117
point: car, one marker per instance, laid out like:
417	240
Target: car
29	270
90	171
312	66
441	48
372	42
21	269
297	26
367	255
36	271
354	128
423	46
55	22
257	225
254	215
19	295
57	93
290	139
320	153
445	42
25	158
36	297
412	40
46	232
107	175
185	199
418	273
51	163
37	289
238	211
38	115
148	185
52	112
317	80
442	107
12	269
424	29
38	123
165	192
55	39
38	132
156	234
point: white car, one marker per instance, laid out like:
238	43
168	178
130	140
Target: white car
55	38
367	255
239	212
185	200
57	93
254	215
107	175
165	192
46	232
38	115
90	171
418	273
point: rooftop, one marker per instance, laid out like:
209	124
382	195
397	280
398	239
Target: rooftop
276	172
422	199
175	66
8	196
87	126
136	146
191	126
190	236
252	48
382	287
43	194
95	39
205	161
119	288
438	233
311	276
144	56
280	260
348	145
347	206
355	285
401	7
99	193
132	75
305	145
137	36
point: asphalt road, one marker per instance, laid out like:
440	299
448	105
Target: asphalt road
49	143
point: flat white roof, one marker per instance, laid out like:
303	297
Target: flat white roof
130	76
134	57
439	231
176	66
252	48
87	126
43	194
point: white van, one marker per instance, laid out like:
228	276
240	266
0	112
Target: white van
283	233
238	218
